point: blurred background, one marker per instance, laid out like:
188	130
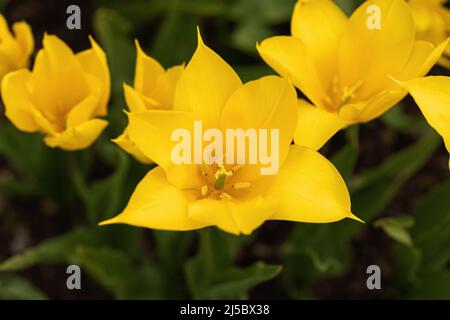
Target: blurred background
396	168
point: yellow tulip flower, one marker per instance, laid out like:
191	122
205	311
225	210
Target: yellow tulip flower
154	88
432	20
15	50
353	71
235	198
62	95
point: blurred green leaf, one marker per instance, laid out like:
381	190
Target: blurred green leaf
113	32
248	34
171	253
397	228
348	6
255	19
60	249
105	198
421	272
397	119
177	30
321	251
433	285
13	287
346	158
262	11
432	229
212	275
375	188
253	72
119	274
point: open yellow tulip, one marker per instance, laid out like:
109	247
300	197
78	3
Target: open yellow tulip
15	50
349	68
236	198
432	20
154	88
62	96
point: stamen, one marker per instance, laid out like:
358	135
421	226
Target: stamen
349	93
241	185
205	190
221	175
224	196
236	168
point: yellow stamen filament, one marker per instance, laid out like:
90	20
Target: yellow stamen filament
241	185
224	196
204	190
349	93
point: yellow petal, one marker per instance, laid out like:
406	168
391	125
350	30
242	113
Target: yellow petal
432	95
370	54
316	126
308	188
151	132
24	36
126	144
133	100
64	70
319	25
234	216
95	63
372	108
147	72
79	137
18	107
164	91
157	204
267	103
434	57
205	85
84	110
289	57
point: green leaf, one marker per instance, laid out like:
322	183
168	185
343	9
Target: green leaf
253	72
237	281
212	275
246	35
119	274
59	249
374	189
106	197
397	228
177	28
13	287
397	119
346	158
113	32
431	232
348	6
262	11
321	251
435	285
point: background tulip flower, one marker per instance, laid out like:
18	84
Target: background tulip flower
61	96
154	88
187	196
348	70
15	50
432	20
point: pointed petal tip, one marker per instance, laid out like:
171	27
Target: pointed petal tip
109	221
352	216
138	46
199	38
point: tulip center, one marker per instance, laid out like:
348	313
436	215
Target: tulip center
340	96
218	181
